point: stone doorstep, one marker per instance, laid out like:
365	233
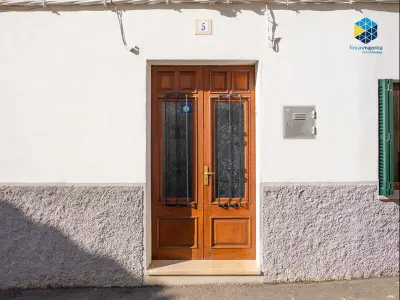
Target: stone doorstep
198	280
203	268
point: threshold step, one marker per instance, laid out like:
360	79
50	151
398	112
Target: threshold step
203	268
195	280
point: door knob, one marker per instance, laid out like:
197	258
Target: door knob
206	174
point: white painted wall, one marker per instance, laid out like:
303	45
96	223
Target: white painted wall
73	99
315	66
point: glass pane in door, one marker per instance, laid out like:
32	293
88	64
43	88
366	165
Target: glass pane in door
229	149
177	145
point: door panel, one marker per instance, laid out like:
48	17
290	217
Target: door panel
218	80
177	215
241	81
184	229
238	229
229	148
203	117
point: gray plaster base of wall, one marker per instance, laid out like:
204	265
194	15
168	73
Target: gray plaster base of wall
315	232
71	236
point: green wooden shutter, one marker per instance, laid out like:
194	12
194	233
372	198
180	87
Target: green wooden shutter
386	155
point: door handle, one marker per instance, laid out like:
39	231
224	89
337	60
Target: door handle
206	174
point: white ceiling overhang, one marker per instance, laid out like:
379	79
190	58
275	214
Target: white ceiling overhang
106	3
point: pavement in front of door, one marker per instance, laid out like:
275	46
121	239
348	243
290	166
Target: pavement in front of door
367	289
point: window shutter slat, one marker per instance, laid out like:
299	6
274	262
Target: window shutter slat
386	158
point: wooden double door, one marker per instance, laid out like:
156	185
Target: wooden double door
203	162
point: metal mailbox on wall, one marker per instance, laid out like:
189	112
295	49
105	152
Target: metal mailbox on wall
299	122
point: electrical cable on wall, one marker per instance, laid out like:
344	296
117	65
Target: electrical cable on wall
135	49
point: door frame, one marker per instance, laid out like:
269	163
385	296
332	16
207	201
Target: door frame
147	215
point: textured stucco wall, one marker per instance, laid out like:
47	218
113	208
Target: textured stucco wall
328	231
71	236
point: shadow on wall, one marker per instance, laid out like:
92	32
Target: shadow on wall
34	255
226	10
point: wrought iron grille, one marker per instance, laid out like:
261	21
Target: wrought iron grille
229	149
177	156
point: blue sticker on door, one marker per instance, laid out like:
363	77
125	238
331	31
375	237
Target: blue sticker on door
186	108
